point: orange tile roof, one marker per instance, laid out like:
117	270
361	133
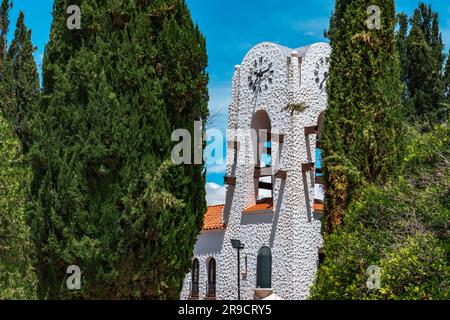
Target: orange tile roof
213	218
318	207
261	205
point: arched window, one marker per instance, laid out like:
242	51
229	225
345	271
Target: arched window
262	127
195	278
211	291
264	269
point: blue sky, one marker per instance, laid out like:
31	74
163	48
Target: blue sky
232	28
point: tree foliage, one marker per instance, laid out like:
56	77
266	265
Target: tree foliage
402	227
398	222
20	86
5	8
17	70
363	128
422	57
103	196
17	277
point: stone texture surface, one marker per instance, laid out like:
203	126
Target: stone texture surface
293	232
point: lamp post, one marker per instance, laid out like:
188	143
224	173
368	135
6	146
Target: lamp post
239	246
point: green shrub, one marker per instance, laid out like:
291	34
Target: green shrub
17	277
402	227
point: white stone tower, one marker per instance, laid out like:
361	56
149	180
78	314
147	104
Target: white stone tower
271	204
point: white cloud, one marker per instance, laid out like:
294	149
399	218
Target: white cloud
215	194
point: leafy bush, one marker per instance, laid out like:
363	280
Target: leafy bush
402	227
17	277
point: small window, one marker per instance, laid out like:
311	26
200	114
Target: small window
195	278
211	290
264	269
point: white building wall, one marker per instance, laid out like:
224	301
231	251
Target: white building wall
209	244
292	231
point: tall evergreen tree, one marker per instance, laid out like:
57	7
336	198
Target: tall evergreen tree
363	132
428	21
401	38
17	277
424	68
105	197
5	7
21	85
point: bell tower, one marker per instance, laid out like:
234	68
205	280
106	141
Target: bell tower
274	200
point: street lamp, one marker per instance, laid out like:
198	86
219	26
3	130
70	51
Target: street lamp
239	246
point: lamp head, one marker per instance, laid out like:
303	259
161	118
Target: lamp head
237	244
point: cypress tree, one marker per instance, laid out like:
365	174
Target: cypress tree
5	7
17	277
424	69
363	131
401	37
105	194
428	21
182	61
21	85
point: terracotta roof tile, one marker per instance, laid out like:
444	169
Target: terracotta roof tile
214	218
261	205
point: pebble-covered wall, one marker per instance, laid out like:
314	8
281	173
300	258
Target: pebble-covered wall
292	229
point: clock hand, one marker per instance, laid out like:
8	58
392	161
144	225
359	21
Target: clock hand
265	77
258	76
256	83
265	71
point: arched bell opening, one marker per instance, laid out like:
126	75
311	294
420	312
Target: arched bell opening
262	148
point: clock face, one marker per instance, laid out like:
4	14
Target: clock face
321	72
261	75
